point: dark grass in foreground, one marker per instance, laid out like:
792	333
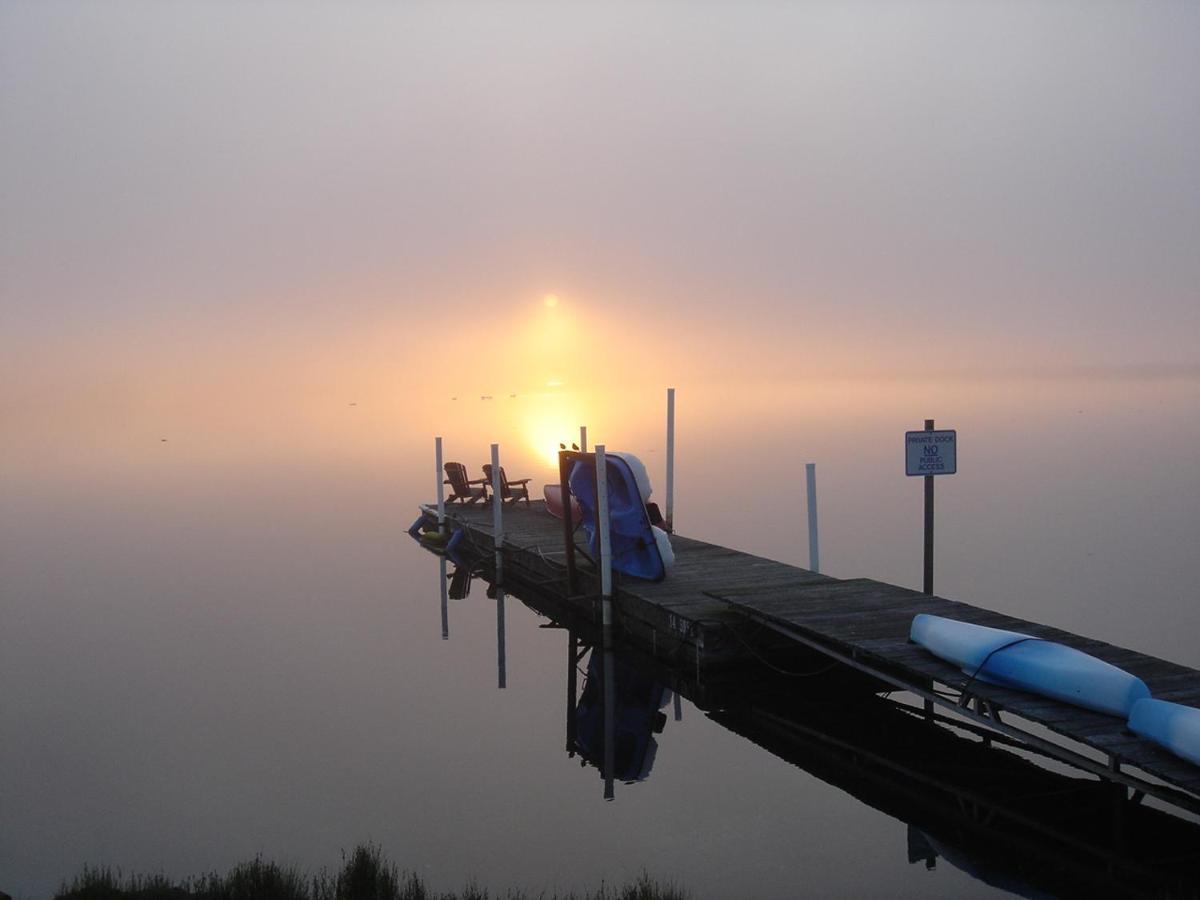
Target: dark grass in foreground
365	875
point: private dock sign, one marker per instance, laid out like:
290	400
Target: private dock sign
930	452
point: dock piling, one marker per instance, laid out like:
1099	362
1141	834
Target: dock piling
814	551
602	524
497	502
441	487
669	520
929	524
583	438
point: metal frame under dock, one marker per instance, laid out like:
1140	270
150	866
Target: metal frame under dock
720	606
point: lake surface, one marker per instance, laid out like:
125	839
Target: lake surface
223	643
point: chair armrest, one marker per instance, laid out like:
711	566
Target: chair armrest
478	481
520	481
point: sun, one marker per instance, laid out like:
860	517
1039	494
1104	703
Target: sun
550	300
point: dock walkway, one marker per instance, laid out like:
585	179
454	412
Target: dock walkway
713	595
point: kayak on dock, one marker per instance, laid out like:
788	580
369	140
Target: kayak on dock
1173	726
554	503
1027	663
638	547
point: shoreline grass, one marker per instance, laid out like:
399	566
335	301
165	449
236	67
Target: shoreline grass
366	874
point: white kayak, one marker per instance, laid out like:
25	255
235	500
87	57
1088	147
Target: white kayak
1171	725
1027	663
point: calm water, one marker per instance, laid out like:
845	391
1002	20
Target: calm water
208	655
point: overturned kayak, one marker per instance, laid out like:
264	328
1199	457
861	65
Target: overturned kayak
1172	726
553	495
638	548
1027	663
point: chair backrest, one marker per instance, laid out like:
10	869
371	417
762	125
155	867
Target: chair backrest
456	474
487	473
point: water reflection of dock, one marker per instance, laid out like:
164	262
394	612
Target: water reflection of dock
966	801
721	606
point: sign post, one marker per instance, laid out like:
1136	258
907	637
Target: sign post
930	453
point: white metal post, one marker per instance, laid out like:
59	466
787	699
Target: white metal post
583	438
605	551
497	516
814	550
670	514
606	619
441	488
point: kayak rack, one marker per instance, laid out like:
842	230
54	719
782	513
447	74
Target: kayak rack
985	712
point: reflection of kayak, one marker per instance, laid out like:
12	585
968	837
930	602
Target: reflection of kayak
637	700
553	494
1014	660
638	548
1171	725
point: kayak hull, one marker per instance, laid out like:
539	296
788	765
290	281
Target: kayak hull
1026	663
553	495
1173	726
638	548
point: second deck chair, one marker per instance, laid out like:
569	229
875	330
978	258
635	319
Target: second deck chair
462	488
510	491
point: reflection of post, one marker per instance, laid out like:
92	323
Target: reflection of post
500	664
678	707
572	687
609	727
814	550
669	524
445	599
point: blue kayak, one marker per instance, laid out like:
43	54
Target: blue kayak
1170	725
638	548
1014	660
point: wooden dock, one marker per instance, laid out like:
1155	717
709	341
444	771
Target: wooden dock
720	606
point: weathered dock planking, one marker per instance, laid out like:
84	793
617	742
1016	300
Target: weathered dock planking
715	598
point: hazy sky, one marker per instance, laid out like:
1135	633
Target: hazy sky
291	191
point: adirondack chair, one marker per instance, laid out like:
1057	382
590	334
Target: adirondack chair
463	489
510	491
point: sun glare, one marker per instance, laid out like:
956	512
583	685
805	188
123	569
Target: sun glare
550	300
547	422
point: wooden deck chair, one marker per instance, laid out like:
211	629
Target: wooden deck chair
510	491
463	489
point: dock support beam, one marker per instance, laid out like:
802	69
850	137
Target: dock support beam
564	486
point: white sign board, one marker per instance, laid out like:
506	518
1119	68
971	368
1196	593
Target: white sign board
930	452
